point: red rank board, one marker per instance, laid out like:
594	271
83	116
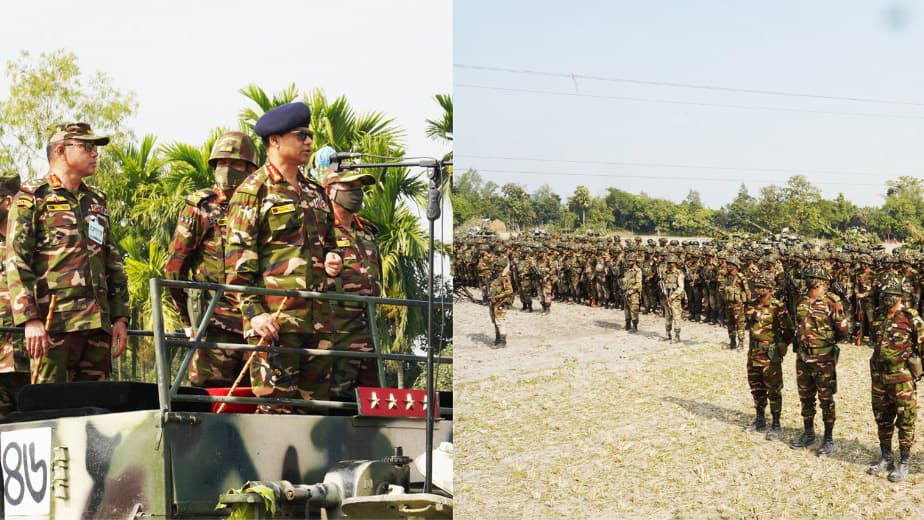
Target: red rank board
394	402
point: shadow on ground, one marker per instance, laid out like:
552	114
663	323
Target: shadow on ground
738	419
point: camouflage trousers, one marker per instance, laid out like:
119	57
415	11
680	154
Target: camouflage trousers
545	294
526	294
734	320
291	375
632	307
672	314
348	373
765	378
711	300
600	292
218	367
84	355
869	310
696	302
895	406
13	358
817	376
498	317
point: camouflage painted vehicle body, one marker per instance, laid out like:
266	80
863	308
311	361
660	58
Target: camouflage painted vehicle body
174	459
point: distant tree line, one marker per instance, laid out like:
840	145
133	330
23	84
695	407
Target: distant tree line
797	205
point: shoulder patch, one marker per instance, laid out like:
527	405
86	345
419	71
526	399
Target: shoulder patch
197	197
33	185
253	183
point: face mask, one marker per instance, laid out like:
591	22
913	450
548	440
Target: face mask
351	200
228	179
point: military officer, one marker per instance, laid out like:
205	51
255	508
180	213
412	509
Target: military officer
280	236
674	289
197	252
820	322
60	245
13	357
632	287
894	388
361	275
771	330
500	294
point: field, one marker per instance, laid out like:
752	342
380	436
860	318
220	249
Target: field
576	418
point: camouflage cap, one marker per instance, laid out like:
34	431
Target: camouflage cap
764	280
672	259
9	182
78	131
331	177
731	260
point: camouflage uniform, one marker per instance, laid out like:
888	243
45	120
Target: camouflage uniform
526	268
736	294
632	285
13	357
362	276
771	329
820	323
894	390
501	297
546	282
674	285
60	245
278	235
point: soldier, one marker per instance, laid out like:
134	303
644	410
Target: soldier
771	330
894	389
501	297
280	236
484	273
632	287
361	275
528	274
820	323
673	289
13	356
546	281
198	253
60	245
736	294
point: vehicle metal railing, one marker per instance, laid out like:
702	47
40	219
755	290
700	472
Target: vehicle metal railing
168	391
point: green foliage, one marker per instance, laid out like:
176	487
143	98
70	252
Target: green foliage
52	89
247	510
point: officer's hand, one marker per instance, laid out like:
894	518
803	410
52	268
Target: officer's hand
119	338
322	157
333	264
37	340
266	326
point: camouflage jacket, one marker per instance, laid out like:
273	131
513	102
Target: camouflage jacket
6	309
278	235
198	253
735	289
361	275
501	289
632	281
899	337
821	322
674	283
60	244
770	323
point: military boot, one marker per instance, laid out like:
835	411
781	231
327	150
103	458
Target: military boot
634	325
629	325
776	431
503	340
901	469
732	342
760	422
668	332
529	306
676	336
827	443
807	437
886	461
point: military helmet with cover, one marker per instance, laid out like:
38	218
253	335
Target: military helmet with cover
816	271
232	146
892	285
764	280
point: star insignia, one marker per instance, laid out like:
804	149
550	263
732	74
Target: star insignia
409	402
426	401
392	402
374	400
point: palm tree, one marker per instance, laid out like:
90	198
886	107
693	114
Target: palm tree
442	130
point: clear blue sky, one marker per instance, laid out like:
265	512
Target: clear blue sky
655	137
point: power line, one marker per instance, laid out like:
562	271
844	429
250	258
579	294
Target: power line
663	177
573	76
690	103
686	166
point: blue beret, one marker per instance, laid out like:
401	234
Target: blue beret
282	119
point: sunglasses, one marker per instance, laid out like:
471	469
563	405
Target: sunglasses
86	145
303	135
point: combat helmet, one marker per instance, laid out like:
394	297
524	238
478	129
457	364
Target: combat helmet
892	285
234	146
731	260
764	280
672	259
815	271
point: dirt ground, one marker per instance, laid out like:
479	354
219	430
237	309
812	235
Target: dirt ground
577	418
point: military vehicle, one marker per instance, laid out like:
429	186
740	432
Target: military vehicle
136	450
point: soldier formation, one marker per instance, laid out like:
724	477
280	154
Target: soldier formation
782	293
267	226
